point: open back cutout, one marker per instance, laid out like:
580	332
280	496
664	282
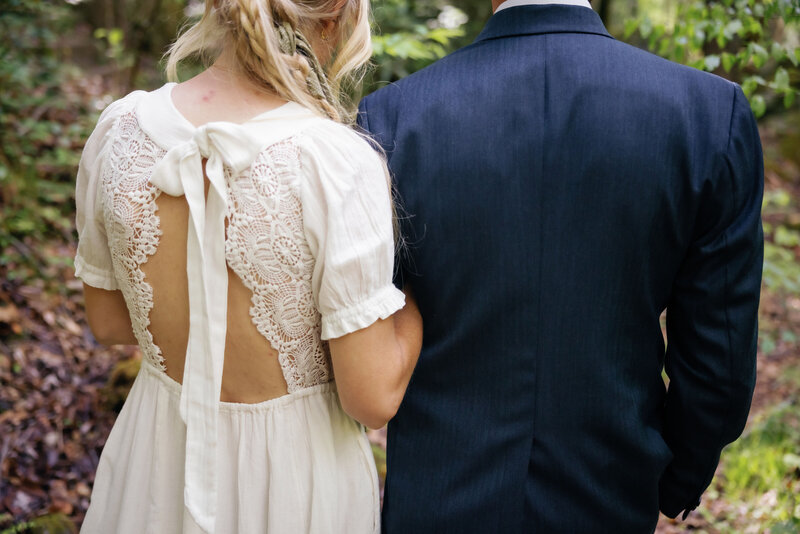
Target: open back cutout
273	343
251	372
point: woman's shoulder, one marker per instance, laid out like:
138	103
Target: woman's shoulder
121	106
328	141
109	117
104	127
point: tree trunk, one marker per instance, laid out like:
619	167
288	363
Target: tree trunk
605	11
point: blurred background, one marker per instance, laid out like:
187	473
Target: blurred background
63	61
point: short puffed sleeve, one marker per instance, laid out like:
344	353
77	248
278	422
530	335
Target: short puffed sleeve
93	258
347	215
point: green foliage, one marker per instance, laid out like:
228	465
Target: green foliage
753	42
46	524
113	41
412	35
47	111
761	472
42	124
380	461
132	35
781	268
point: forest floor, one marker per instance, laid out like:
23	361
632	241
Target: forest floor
60	392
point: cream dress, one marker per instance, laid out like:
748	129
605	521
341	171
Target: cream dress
298	208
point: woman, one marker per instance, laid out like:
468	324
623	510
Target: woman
236	229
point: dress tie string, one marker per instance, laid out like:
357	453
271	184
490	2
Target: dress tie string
221	144
180	172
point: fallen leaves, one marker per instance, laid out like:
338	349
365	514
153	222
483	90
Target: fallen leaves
53	418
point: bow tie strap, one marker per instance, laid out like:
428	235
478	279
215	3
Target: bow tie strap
228	142
180	172
221	144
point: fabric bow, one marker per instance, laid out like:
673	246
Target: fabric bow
221	144
180	172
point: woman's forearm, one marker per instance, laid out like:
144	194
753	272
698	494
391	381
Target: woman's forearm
373	366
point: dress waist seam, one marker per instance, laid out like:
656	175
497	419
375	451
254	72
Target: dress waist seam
174	388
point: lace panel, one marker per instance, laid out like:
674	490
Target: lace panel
132	226
267	249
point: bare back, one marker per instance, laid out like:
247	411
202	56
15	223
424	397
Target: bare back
251	370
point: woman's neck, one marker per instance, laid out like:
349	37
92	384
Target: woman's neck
223	92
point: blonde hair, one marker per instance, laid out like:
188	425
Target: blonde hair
269	41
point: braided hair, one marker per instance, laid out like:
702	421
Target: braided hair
270	41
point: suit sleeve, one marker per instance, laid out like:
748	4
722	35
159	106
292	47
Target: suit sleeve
712	319
373	114
361	118
377	116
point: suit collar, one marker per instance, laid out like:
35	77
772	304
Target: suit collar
538	19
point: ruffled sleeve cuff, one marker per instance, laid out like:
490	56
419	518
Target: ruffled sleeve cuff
380	305
94	276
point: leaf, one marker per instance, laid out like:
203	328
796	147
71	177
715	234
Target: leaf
754	27
781	81
115	37
728	61
791	460
710	63
630	26
768	344
786	237
9	314
794	57
749	85
758	105
788	98
777	51
758	53
645	27
786	527
733	28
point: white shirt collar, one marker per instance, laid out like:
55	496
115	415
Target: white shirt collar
515	3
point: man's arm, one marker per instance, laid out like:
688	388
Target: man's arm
377	118
712	319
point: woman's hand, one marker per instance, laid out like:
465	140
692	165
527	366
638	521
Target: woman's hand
108	316
374	365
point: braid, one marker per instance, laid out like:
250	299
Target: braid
251	38
308	69
273	53
252	27
268	39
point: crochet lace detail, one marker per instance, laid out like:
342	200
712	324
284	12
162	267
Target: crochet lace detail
132	226
267	249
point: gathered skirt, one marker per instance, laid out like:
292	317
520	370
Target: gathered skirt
296	464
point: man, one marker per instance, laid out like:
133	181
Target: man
562	190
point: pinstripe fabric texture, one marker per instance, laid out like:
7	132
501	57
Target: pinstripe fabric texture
563	189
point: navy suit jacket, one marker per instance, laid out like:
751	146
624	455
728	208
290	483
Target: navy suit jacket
563	189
